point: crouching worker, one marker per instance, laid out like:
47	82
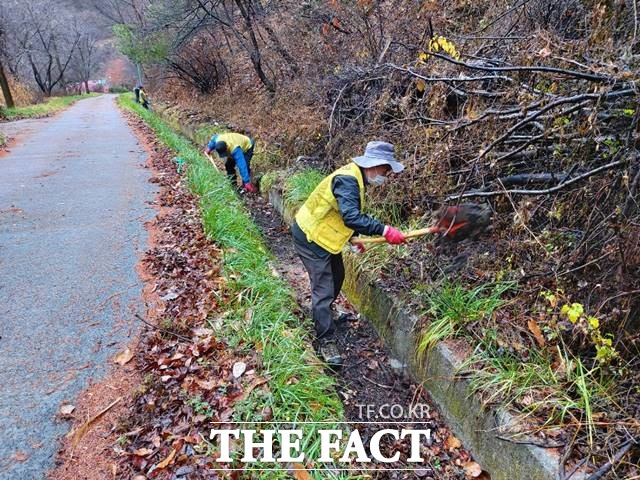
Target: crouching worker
144	98
326	222
237	150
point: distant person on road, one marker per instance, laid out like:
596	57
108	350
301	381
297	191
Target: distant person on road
326	222
237	150
144	99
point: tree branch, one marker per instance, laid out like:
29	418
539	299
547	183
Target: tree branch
554	189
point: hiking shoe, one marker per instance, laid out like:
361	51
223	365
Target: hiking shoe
329	353
344	317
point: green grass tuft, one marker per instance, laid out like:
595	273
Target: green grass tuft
299	186
453	307
204	133
552	382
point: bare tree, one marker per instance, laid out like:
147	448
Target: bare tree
85	55
237	26
47	42
4	82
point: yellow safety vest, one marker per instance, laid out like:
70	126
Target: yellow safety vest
234	140
319	217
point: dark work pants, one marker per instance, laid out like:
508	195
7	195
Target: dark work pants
326	273
230	164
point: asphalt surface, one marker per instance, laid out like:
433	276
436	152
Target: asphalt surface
73	200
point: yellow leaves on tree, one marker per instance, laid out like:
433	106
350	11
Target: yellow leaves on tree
438	43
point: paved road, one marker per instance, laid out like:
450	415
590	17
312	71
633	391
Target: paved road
73	199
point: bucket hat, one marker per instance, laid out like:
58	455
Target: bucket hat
378	153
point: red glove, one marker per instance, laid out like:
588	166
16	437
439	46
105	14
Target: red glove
358	247
249	187
393	235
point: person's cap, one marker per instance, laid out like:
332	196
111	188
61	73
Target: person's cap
221	147
378	153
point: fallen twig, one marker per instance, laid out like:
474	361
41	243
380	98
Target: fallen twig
530	442
86	426
541	68
376	383
169	332
554	189
603	470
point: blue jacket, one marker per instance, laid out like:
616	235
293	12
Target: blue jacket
238	155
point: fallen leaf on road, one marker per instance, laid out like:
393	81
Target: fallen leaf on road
67	409
19	456
124	357
239	368
143	452
202	332
472	469
167	461
86	426
207	385
169	296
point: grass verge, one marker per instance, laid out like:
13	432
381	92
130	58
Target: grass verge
299	186
49	107
452	307
261	306
551	383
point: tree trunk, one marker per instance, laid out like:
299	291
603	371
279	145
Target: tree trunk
256	58
6	91
86	85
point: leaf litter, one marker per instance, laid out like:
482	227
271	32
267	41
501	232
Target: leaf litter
192	377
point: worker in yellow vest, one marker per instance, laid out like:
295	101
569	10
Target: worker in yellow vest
237	150
325	223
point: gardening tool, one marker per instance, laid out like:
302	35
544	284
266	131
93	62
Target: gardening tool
456	223
212	162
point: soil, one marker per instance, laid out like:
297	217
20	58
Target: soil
93	457
368	381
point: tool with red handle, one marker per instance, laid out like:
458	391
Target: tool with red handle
455	223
